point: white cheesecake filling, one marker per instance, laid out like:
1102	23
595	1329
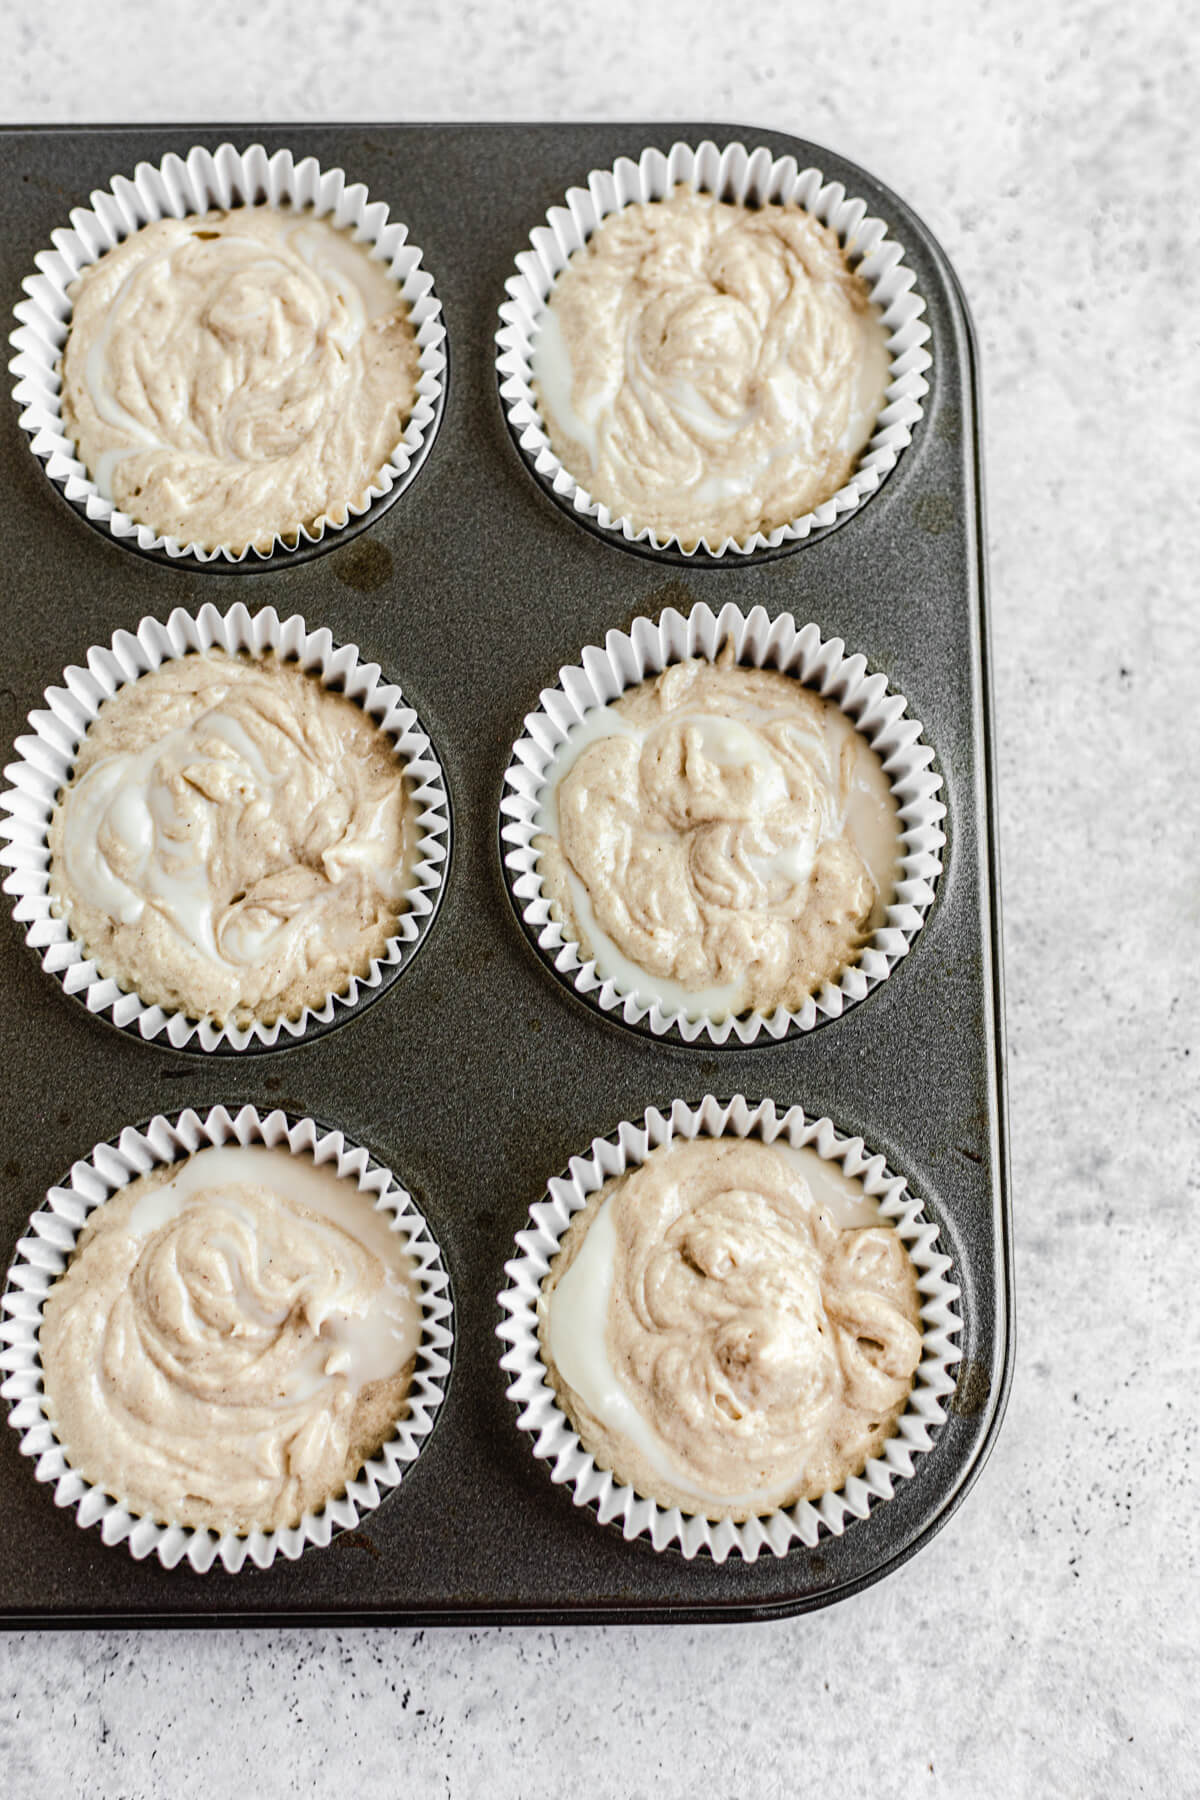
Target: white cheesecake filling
231	376
236	839
710	370
732	1327
232	1338
719	840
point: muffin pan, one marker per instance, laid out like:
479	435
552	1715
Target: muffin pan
478	1075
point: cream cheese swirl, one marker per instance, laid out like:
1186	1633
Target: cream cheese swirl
236	840
233	1337
731	1326
720	839
709	370
232	376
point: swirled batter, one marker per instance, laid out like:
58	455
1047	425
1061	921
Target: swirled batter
232	376
236	841
709	370
720	839
233	1337
731	1327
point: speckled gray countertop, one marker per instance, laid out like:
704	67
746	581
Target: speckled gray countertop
1047	1642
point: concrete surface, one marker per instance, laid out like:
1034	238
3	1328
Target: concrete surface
1047	1642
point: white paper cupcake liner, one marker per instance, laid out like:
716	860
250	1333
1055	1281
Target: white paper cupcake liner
555	1439
749	178
759	642
42	1256
180	186
46	758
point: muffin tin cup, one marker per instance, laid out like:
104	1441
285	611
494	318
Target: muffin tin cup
649	646
750	178
43	1255
555	1440
46	757
177	188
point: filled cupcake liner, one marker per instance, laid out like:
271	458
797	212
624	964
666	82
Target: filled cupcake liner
46	757
649	646
554	1438
177	188
752	178
43	1254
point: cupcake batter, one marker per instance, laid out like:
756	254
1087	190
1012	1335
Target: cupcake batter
708	370
731	1327
232	376
720	840
236	841
234	1336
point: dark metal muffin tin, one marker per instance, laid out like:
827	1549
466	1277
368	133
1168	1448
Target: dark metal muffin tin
476	1077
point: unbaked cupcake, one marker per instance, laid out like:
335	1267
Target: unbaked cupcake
731	1327
228	1337
709	371
674	411
719	839
237	376
233	1338
724	827
236	840
742	1367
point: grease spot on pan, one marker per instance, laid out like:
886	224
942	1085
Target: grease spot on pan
356	1540
973	1390
365	565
